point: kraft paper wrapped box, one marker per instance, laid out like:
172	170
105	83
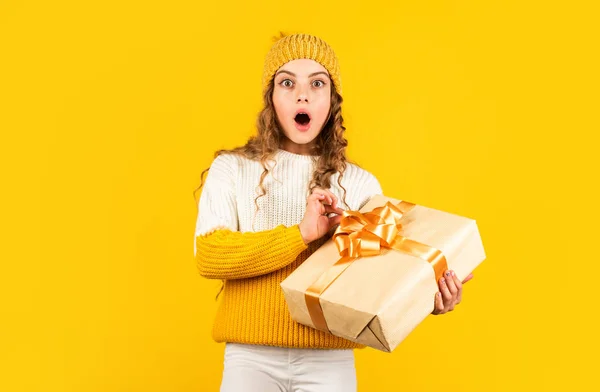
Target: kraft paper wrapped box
373	298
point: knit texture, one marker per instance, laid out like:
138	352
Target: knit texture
301	46
234	255
253	261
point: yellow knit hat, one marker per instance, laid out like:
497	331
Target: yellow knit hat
301	46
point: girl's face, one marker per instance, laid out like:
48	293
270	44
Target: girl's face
302	98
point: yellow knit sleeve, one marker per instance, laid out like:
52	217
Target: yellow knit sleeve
226	254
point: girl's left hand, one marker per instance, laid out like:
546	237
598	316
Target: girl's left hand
450	293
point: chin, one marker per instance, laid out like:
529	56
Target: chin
302	139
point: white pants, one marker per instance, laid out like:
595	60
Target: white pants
253	368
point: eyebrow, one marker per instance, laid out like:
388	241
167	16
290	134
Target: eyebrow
310	76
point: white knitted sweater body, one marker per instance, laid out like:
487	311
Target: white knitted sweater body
231	187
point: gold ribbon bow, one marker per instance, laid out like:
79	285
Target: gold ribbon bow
360	235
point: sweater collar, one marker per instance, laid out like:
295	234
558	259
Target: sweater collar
286	155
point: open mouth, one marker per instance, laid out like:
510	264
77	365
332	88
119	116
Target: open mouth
302	118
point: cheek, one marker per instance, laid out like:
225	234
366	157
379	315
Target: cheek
279	102
323	109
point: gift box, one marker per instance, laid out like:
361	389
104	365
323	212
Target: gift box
375	280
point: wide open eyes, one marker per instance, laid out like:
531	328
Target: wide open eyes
288	83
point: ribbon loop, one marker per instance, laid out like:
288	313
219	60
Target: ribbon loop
357	233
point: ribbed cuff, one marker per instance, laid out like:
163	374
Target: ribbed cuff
293	237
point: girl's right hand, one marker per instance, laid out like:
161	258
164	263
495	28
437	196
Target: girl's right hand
315	222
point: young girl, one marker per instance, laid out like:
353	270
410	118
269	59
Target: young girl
266	207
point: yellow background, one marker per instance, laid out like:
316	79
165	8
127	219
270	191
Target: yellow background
110	110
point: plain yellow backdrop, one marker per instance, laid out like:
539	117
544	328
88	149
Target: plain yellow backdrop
109	111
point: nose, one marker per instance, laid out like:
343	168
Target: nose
302	98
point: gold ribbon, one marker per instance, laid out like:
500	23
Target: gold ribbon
360	235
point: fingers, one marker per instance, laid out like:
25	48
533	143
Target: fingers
335	220
331	210
458	285
452	288
446	294
315	201
316	197
451	292
331	199
469	277
450	283
439	304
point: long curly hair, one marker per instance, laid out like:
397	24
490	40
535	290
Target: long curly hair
329	149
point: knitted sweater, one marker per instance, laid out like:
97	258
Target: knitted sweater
253	252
